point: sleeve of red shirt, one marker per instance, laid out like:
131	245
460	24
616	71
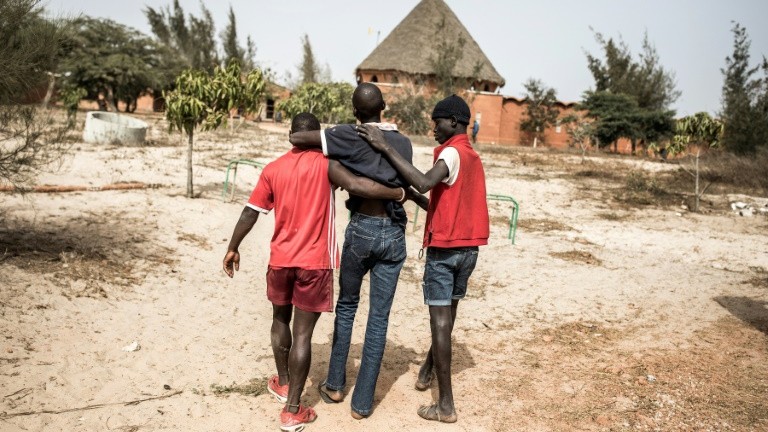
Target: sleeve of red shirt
262	198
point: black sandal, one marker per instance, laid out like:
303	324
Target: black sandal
325	396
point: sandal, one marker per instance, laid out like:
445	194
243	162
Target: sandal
432	412
325	396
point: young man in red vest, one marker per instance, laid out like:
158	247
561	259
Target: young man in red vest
457	223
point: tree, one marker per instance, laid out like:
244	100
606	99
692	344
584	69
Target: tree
652	86
645	80
613	116
191	37
540	109
32	46
410	110
699	130
580	132
331	102
205	100
743	110
232	49
309	69
114	59
448	52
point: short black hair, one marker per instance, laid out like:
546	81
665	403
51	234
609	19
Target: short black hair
304	122
367	99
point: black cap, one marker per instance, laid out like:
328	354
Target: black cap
452	106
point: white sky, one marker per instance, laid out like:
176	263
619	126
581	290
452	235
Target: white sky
543	39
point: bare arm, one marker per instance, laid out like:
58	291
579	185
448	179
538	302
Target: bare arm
247	220
306	139
420	200
420	181
360	186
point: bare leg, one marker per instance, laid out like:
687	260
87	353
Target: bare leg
441	323
300	356
425	373
281	339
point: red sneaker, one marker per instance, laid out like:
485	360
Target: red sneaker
291	422
279	392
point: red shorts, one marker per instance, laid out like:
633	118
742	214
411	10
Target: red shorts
308	290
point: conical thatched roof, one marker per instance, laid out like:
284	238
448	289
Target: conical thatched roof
411	45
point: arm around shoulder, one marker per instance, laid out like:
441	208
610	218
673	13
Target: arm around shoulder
361	186
306	139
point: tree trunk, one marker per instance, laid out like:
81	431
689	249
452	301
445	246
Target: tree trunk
634	146
535	139
189	165
696	205
110	97
49	92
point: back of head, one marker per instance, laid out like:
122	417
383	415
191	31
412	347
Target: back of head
304	122
368	100
452	106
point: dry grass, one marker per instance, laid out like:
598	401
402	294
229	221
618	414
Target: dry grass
542	225
577	256
84	259
196	240
581	376
255	387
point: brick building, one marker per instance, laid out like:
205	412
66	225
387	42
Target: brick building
404	61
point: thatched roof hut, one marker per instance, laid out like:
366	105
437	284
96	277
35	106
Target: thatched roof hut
411	47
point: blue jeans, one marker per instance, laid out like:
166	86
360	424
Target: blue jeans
370	244
446	274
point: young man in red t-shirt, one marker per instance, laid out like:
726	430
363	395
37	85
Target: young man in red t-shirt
298	186
457	223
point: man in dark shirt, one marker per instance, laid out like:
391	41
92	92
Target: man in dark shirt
374	241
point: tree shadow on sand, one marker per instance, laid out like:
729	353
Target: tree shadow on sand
397	362
752	312
83	254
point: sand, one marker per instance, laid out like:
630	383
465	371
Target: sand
601	316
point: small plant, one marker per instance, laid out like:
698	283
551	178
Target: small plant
694	133
70	96
206	101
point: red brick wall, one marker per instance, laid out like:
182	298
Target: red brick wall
489	108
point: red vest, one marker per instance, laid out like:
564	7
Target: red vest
458	214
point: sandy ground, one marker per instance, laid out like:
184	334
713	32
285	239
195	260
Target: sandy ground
602	317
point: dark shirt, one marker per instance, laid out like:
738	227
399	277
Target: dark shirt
342	143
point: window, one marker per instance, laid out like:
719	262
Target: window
374	79
395	80
270	108
486	88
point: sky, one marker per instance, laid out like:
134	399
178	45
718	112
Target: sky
543	39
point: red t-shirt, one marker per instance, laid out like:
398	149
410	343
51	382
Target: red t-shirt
296	186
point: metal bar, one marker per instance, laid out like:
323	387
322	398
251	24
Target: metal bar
494	197
234	164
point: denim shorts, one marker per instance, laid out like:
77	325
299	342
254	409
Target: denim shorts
446	274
